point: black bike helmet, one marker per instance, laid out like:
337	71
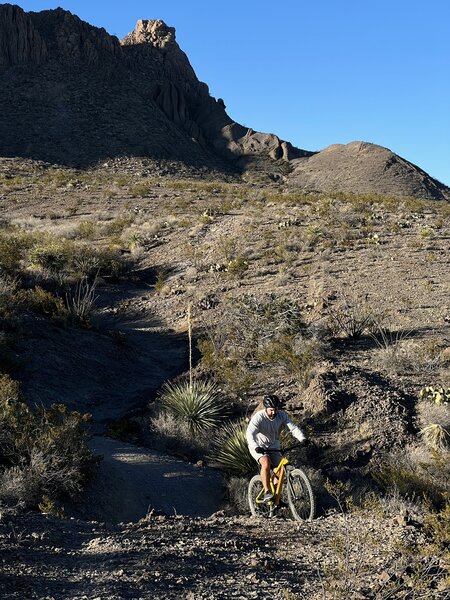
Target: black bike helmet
272	401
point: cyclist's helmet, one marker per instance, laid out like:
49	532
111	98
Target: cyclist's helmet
272	401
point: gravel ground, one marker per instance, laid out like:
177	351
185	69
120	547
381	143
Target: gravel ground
219	557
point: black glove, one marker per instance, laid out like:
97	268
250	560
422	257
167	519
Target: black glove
259	450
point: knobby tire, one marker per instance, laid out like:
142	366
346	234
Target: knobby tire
258	510
300	496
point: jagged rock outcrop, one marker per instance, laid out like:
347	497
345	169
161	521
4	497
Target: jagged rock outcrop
361	167
89	96
20	43
73	94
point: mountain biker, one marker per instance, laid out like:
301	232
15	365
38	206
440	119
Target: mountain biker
263	432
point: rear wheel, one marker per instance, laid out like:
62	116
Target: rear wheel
300	496
258	509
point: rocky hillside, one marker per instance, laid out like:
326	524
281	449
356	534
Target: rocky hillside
73	94
339	303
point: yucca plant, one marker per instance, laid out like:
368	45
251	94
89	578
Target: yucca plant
435	436
230	450
200	404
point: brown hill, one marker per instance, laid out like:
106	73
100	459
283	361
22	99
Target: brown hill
72	94
362	168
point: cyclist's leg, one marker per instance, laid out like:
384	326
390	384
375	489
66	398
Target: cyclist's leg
264	463
275	458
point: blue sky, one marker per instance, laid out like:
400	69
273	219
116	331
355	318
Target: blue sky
315	73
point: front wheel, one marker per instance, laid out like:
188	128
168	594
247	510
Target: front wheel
255	489
300	496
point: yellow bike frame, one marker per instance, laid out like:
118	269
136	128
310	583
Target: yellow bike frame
279	473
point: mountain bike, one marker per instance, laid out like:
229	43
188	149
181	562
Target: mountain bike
290	487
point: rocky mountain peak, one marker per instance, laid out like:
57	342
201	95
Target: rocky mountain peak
154	32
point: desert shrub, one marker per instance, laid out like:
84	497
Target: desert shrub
236	267
237	494
44	302
59	258
418	473
228	366
254	322
86	230
173	435
230	451
296	354
116	226
52	257
14	245
200	404
42	451
161	278
141	190
352	317
398	354
8	298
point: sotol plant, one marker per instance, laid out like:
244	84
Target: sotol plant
230	451
200	404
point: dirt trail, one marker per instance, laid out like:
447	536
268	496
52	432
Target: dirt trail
132	481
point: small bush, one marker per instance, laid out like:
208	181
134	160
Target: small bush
417	473
161	278
42	451
200	405
87	230
44	302
237	494
14	245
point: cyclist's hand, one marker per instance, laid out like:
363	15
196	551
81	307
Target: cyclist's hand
259	450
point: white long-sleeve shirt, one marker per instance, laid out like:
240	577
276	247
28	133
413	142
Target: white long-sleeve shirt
264	432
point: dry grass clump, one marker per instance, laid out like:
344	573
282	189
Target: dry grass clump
398	354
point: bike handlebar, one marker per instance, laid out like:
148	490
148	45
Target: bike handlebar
260	450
